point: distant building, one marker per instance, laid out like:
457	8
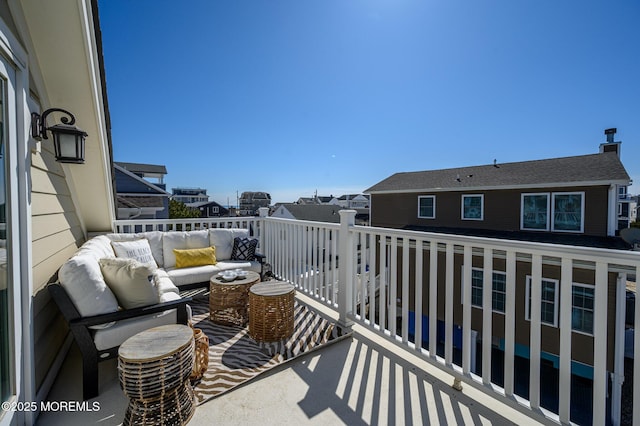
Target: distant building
352	201
312	212
250	202
136	197
211	209
190	196
316	199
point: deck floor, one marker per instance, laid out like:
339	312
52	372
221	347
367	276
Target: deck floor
362	380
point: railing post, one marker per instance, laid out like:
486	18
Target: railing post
345	267
263	212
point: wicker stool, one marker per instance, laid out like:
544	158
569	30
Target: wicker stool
228	299
154	368
271	311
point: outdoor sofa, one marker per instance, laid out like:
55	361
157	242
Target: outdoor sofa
117	285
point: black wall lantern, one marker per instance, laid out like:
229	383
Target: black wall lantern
68	140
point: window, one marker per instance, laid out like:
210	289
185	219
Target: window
535	212
472	207
427	207
476	288
622	192
582	308
498	293
567	211
548	302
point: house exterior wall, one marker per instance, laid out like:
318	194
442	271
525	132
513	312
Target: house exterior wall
502	209
52	206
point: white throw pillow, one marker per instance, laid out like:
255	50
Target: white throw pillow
131	282
139	250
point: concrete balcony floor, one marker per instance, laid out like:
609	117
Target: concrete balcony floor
363	380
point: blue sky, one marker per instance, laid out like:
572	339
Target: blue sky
292	96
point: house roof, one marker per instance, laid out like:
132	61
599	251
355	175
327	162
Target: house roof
583	170
314	212
142	168
128	202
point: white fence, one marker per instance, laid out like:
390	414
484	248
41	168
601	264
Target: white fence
381	279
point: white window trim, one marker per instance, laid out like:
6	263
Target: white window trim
522	211
527	295
582	212
433	197
591	286
491	282
481	207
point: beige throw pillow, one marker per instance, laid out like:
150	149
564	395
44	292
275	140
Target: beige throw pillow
139	250
131	282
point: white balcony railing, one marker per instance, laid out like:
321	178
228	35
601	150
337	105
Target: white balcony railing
408	286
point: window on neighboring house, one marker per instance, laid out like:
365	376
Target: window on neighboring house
472	207
582	308
427	207
535	212
498	290
548	302
568	208
623	209
622	192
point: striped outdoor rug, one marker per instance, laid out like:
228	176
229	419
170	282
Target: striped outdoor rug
235	358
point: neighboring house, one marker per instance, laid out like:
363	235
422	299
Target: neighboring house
50	57
316	199
153	173
136	197
190	196
250	202
627	208
571	200
352	201
315	213
210	209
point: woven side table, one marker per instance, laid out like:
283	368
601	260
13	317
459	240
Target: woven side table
154	368
271	306
228	299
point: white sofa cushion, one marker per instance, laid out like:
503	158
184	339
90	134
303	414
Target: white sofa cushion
120	331
154	238
82	279
192	275
200	274
131	281
222	239
182	240
163	283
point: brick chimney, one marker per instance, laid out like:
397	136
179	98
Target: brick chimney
610	145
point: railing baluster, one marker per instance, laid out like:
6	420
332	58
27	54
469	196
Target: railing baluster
510	324
534	343
418	296
433	298
636	358
373	278
466	311
382	308
566	279
448	312
393	286
334	265
600	345
405	290
487	314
